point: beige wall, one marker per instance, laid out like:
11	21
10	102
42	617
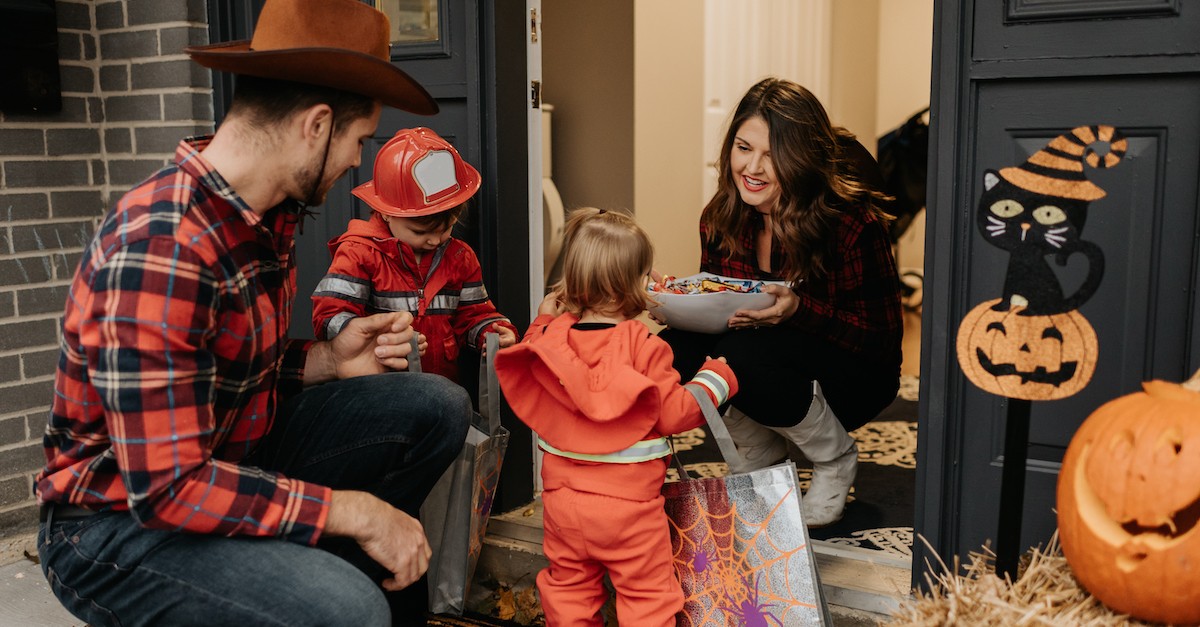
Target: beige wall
588	75
905	56
876	85
854	68
668	118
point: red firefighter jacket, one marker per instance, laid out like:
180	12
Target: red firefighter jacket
372	272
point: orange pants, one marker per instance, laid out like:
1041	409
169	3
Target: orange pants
588	534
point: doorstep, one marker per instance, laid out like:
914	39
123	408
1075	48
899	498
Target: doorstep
858	583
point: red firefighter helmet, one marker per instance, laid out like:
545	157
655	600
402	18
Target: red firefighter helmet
417	173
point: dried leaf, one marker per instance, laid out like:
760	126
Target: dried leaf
506	606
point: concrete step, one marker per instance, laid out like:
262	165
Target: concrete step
861	586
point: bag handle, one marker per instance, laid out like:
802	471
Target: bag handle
489	386
717	426
414	355
684	475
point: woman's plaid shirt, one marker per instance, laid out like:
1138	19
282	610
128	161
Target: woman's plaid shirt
174	360
856	305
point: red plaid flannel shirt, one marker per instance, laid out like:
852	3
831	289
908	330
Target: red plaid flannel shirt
856	305
174	360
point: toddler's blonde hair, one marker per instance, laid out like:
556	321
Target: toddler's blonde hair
605	264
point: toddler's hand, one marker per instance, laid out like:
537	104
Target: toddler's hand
551	304
422	344
507	338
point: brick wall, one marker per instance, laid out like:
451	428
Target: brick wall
129	96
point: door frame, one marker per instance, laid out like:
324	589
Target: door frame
935	516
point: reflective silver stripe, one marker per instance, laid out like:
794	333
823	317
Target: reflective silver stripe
474	332
337	323
642	451
447	302
715	383
395	303
474	294
333	285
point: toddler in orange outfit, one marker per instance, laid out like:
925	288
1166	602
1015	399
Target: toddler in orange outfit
600	392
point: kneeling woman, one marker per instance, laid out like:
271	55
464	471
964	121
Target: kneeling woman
795	203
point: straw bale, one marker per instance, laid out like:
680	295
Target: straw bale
1044	594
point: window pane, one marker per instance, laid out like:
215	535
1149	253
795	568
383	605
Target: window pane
412	20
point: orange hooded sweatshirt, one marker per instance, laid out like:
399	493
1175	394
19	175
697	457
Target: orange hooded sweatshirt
598	388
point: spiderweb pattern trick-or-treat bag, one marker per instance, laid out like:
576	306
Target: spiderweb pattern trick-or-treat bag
740	545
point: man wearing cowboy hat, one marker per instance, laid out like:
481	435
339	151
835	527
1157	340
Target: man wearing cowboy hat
192	460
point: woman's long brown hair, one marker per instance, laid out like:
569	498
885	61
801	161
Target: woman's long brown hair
816	181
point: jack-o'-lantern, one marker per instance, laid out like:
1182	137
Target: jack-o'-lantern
1036	358
1129	501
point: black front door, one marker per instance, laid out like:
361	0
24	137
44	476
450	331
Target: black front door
444	58
471	57
1008	78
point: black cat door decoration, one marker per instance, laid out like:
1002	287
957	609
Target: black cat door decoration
1031	343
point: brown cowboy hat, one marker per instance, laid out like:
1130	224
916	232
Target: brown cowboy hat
343	44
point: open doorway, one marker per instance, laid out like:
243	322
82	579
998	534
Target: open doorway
642	91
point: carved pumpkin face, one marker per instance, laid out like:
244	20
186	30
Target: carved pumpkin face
1129	503
1036	358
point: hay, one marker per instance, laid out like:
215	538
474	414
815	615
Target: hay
1045	593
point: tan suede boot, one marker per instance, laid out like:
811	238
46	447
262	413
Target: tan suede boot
834	454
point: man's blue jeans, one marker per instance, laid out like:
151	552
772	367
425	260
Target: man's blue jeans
392	435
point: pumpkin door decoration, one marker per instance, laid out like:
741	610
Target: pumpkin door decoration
1013	354
1129	502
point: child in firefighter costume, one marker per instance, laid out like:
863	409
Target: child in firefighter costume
600	392
404	258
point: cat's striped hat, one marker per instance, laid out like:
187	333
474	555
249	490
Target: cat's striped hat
1057	169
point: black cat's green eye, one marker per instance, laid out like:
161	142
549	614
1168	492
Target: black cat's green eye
1007	208
1049	214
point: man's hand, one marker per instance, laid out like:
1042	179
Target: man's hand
367	345
389	536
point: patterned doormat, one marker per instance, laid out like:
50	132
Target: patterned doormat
879	512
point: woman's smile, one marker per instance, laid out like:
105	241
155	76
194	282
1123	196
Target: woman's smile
752	184
750	163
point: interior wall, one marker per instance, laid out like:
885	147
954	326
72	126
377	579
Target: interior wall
588	75
668	118
854	68
905	61
905	58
